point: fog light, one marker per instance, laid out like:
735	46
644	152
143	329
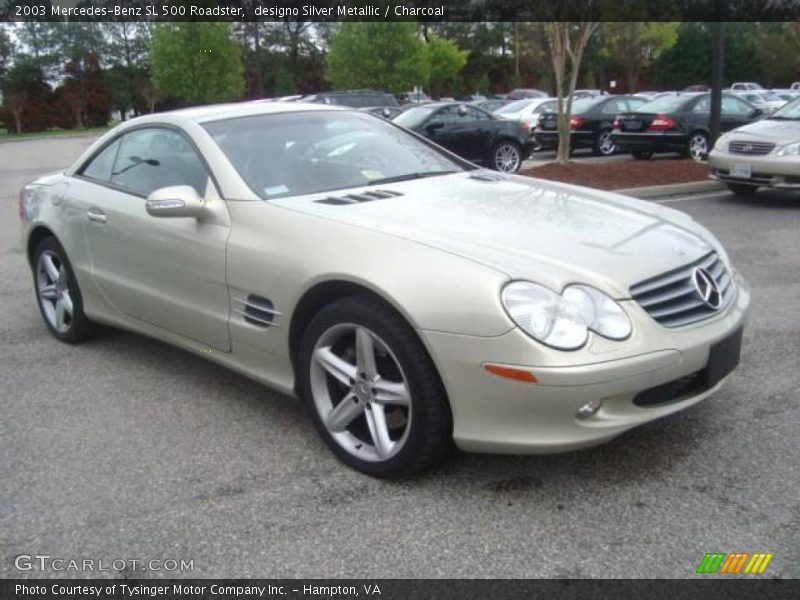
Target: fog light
588	409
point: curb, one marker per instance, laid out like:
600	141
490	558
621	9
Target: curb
57	136
673	189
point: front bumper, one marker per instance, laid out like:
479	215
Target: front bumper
492	414
781	173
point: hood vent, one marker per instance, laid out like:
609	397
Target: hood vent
256	310
359	198
487	176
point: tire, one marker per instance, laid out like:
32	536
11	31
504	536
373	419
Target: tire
58	295
394	418
697	146
742	189
604	144
642	154
506	156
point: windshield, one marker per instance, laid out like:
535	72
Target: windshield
308	152
788	112
414	117
514	107
664	104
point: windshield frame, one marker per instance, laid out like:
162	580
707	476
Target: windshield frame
459	163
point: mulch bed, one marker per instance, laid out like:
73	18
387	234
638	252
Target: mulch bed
620	174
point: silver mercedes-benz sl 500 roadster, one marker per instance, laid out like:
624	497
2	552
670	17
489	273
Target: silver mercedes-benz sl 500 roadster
412	300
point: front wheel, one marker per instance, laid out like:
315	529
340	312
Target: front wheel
506	157
742	189
697	146
604	144
57	293
372	390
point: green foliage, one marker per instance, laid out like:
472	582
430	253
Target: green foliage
778	53
387	56
445	61
196	62
632	47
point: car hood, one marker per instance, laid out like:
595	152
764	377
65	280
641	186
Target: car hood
775	131
528	228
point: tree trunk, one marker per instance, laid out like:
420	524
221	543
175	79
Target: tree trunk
18	120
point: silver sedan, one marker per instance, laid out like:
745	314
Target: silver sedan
412	300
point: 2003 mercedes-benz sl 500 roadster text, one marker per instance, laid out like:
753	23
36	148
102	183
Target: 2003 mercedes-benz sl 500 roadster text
412	299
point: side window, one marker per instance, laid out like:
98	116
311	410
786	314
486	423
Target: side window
476	114
102	164
734	106
614	107
703	105
447	115
150	159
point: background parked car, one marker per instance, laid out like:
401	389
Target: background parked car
472	133
678	123
353	98
492	104
413	98
522	93
527	111
591	122
764	153
766	101
745	85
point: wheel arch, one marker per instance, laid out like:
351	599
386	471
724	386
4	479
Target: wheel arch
36	235
322	293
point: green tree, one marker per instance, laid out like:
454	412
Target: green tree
388	56
634	46
445	61
196	62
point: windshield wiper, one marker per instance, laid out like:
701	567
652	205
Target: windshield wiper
408	177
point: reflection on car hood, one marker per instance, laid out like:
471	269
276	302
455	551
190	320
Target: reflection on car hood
776	131
528	228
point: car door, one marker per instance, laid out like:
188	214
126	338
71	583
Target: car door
445	128
735	113
169	272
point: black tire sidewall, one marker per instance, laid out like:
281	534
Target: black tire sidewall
79	328
429	410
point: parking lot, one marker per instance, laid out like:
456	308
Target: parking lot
125	447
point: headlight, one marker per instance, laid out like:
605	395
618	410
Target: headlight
563	320
721	144
792	149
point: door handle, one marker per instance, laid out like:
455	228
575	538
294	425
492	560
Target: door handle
96	215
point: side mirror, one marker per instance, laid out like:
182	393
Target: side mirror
175	201
757	112
434	125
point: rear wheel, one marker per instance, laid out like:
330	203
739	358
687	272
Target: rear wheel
642	154
506	157
57	293
373	391
697	146
604	144
742	189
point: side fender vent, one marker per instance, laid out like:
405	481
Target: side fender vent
360	197
257	310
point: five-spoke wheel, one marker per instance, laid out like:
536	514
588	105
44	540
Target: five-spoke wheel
374	393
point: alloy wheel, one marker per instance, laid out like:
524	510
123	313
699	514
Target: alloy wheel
53	290
360	392
506	158
698	146
605	144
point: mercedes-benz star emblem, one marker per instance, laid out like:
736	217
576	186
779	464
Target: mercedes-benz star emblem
707	288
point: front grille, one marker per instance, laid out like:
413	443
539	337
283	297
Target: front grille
750	148
671	298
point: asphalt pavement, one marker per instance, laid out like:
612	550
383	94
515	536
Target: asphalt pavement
127	448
